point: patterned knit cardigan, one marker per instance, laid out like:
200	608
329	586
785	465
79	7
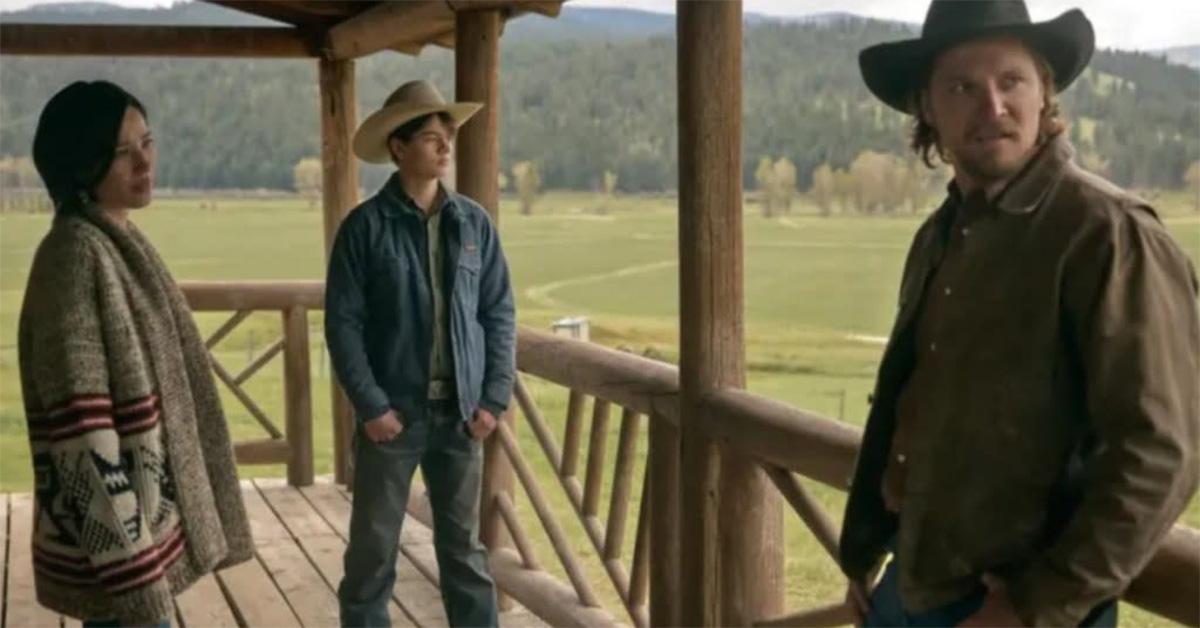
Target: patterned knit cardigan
136	489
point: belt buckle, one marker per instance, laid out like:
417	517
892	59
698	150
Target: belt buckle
439	389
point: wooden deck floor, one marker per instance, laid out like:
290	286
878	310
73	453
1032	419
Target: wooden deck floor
300	535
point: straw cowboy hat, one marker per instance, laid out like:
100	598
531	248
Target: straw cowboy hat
894	70
411	100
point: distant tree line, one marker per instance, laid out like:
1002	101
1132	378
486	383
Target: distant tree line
595	115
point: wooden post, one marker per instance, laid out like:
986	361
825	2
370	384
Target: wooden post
731	553
339	185
476	78
297	385
663	495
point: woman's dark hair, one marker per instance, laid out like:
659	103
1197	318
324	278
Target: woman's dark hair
76	139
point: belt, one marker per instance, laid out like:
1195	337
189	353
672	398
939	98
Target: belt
440	389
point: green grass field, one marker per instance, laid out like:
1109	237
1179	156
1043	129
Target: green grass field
819	294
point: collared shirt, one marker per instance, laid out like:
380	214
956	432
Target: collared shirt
441	368
939	305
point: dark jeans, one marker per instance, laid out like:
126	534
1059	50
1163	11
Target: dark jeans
888	610
452	464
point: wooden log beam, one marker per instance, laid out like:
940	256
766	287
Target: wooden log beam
835	614
732	549
665	521
593	479
548	8
775	433
543	594
247	401
220	296
274	10
824	453
297	402
339	192
110	40
572	432
258	362
618	506
262	451
807	507
591	524
386	25
630	381
540	506
476	79
226	328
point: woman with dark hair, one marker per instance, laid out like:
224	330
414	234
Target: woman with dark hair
136	488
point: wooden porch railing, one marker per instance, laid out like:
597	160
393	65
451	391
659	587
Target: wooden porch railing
293	445
788	443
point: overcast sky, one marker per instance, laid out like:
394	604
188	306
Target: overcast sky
1140	25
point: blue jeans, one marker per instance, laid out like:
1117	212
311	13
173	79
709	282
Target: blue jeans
452	464
888	610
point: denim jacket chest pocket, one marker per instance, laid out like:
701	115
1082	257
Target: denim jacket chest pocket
467	276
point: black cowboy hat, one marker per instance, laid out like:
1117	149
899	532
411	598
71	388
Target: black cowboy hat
894	70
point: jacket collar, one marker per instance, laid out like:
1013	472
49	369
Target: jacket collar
397	202
1025	193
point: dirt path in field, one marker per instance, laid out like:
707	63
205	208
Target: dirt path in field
541	294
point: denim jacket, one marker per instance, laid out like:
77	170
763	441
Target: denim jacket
379	307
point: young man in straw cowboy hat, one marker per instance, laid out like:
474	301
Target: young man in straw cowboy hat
1034	428
420	327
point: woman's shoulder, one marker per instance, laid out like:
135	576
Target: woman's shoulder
71	242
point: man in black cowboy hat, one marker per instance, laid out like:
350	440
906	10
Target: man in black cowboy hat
1034	428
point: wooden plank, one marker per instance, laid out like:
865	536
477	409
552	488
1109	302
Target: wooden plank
265	527
310	597
204	605
154	41
326	551
255	600
330	504
521	617
304	588
418	595
22	608
295	512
